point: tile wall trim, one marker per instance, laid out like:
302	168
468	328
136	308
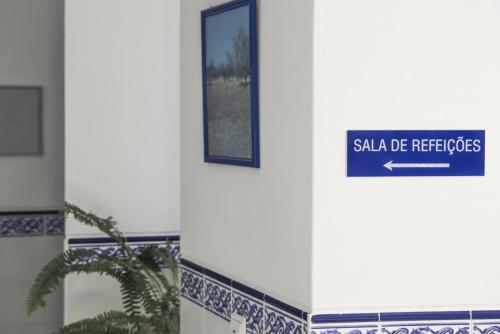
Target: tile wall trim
421	316
477	315
109	246
104	241
405	316
485	322
31	223
345	317
264	313
429	322
32	213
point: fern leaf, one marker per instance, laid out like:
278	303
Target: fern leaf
149	283
51	276
105	225
113	322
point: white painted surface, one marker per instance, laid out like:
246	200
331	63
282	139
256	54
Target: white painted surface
254	224
31	36
406	243
122	120
89	295
16	278
195	320
212	324
238	324
122	126
31	39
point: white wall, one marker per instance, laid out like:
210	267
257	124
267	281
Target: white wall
410	243
122	126
32	54
122	121
31	39
254	225
17	275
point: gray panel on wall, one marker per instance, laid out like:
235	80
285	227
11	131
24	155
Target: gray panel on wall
21	260
32	54
20	120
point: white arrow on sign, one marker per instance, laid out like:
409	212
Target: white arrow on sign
390	165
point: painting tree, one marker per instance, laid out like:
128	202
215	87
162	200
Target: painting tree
212	71
241	55
227	68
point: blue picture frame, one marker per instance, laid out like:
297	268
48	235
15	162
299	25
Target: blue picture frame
236	141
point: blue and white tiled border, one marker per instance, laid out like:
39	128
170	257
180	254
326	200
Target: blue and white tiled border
439	322
31	224
485	322
456	322
367	323
223	296
108	246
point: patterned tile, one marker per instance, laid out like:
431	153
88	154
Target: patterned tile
23	225
486	327
218	298
54	224
280	322
192	286
106	250
344	329
427	328
252	309
353	323
485	322
106	246
31	224
263	314
175	248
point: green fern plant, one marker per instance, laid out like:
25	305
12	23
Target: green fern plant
148	279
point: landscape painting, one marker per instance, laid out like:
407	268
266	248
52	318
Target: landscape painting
230	86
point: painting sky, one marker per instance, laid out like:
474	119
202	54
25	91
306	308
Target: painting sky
220	31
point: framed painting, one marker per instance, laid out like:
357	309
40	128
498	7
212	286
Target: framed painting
230	84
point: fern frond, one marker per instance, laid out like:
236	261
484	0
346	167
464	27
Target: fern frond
148	278
141	293
51	276
158	259
105	225
131	296
148	257
113	322
166	279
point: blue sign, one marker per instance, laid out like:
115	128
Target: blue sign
415	153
